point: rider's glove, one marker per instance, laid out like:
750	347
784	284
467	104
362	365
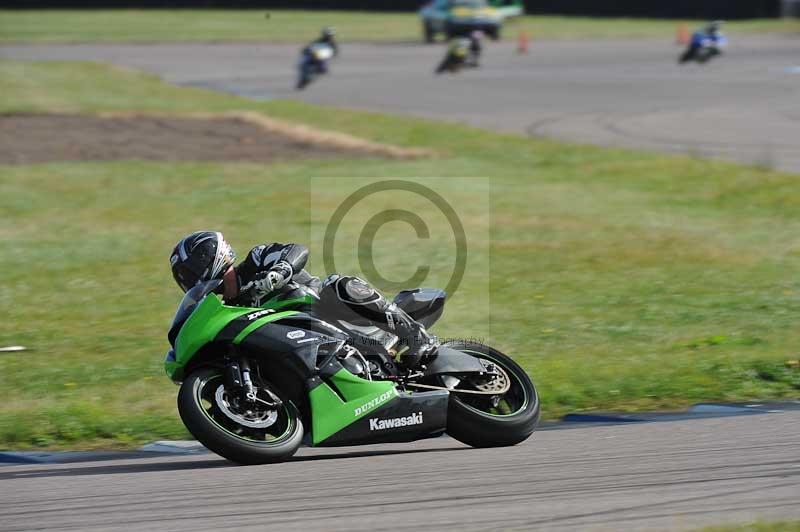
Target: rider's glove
273	279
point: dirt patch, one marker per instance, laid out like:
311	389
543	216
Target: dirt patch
35	138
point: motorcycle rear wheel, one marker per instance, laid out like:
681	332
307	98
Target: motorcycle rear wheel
246	438
474	420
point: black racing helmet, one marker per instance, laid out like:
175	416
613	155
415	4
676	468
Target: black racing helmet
200	257
328	32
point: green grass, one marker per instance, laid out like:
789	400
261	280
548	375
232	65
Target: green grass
297	26
761	526
620	279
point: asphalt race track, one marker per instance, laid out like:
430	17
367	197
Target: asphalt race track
663	476
673	475
744	106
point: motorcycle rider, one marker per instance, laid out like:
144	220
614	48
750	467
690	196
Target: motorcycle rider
475	47
710	37
326	38
456	55
272	268
712	32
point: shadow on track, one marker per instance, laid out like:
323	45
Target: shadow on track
116	469
211	462
366	454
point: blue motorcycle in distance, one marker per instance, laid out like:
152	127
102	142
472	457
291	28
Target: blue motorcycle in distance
705	44
313	63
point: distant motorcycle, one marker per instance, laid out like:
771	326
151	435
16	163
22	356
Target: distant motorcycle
704	45
458	56
313	63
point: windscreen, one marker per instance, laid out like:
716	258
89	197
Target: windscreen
188	304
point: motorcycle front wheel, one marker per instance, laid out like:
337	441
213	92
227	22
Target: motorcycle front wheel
302	81
687	56
493	420
304	75
244	433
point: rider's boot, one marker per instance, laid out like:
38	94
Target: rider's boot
352	299
420	344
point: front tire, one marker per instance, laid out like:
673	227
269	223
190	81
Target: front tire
303	79
202	414
687	56
474	421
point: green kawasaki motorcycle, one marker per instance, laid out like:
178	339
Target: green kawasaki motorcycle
255	380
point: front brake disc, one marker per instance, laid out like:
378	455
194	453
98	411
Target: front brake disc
254	419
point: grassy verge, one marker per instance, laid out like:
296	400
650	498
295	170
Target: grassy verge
297	26
621	280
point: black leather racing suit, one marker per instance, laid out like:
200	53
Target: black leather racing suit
343	297
330	41
287	259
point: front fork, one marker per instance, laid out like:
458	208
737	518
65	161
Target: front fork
238	380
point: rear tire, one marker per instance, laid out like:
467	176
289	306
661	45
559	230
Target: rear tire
477	428
222	441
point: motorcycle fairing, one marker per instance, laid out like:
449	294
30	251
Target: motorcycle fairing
294	341
338	398
292	298
343	418
206	321
331	412
345	409
407	417
211	321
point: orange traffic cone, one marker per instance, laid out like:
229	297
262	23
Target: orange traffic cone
522	42
682	34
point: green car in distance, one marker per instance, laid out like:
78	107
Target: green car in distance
460	17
